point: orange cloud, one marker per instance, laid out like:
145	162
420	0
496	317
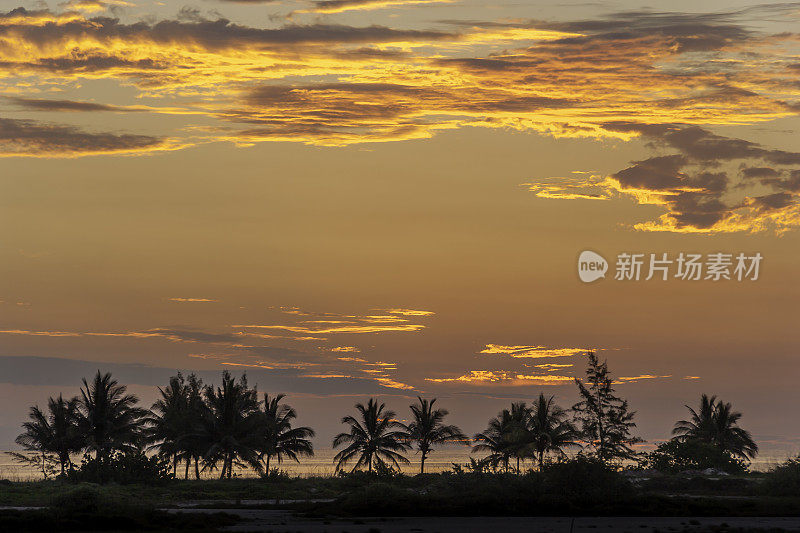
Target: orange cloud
560	78
340	6
338	329
491	377
633	379
531	352
409	312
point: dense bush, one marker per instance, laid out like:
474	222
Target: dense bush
678	455
784	479
124	468
584	478
576	485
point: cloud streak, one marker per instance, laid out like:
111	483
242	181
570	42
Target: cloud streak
504	378
530	352
41	139
340	6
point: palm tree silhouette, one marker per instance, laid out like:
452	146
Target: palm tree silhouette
55	432
229	428
168	423
716	423
550	428
277	438
377	437
108	418
503	437
194	445
428	428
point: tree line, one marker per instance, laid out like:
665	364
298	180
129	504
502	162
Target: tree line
206	428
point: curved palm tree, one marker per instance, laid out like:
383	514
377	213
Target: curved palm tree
168	422
108	417
376	438
277	437
716	423
229	428
550	429
505	437
55	432
428	428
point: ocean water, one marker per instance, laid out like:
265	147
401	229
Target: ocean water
322	464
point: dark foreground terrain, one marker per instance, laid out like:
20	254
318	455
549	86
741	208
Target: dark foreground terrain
569	499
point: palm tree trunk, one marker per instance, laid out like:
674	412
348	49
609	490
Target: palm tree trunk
101	463
267	463
422	463
196	467
518	464
188	462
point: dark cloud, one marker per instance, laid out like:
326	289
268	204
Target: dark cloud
66	105
54	371
709	181
792	183
771	202
696	197
32	138
656	173
697	209
686	32
195	335
209	34
702	145
760	172
86	63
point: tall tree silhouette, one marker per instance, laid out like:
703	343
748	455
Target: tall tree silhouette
427	428
506	436
169	423
716	423
194	445
108	418
54	432
229	429
374	437
550	429
606	420
276	436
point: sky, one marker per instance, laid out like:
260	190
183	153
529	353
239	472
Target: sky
356	198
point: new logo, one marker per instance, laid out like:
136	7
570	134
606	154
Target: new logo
591	266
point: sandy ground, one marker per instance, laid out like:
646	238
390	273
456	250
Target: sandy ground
284	522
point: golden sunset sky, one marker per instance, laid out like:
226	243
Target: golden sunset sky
347	198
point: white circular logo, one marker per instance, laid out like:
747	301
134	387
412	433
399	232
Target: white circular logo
591	266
